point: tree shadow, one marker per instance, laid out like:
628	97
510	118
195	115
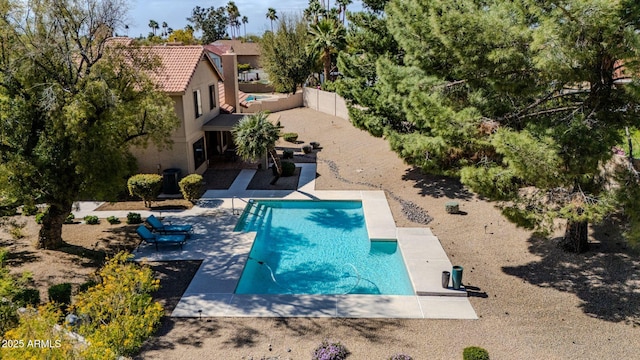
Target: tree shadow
606	279
435	185
17	258
336	219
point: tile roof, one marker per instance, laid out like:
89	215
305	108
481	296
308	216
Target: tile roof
179	63
227	108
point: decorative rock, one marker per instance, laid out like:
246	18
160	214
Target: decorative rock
452	207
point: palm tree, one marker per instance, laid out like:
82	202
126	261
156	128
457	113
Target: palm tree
164	28
271	15
154	26
314	11
342	6
234	13
255	137
245	20
327	37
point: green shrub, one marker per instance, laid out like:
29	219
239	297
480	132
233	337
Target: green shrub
134	218
16	229
86	286
29	209
145	186
113	220
191	187
8	316
288	168
290	137
60	293
287	154
475	353
26	296
307	149
39	217
69	219
91	220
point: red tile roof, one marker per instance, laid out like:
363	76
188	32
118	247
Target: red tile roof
179	63
230	109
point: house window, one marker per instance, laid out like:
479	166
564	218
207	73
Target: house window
198	152
197	101
212	97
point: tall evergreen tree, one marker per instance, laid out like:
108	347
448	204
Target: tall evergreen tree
70	106
520	98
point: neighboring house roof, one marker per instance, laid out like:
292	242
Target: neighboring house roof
240	48
242	98
120	40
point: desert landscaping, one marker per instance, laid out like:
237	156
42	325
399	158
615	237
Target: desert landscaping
533	300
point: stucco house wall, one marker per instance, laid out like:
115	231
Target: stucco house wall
181	154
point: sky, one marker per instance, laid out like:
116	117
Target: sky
176	12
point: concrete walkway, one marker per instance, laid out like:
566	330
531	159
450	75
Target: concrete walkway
224	253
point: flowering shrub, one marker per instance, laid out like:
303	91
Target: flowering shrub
120	310
37	329
401	357
330	351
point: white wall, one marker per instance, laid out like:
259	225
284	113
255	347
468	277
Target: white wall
325	102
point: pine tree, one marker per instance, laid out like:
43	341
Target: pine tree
522	99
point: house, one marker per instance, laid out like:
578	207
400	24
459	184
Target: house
247	52
194	82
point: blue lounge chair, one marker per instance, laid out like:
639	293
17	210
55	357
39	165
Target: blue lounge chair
151	238
161	228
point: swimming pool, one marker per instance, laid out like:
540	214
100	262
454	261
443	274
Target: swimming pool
256	97
317	247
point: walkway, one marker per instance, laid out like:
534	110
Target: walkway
224	253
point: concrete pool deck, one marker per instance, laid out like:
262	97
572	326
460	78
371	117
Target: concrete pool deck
224	252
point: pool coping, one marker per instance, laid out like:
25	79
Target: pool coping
224	253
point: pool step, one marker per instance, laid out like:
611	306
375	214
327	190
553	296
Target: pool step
256	215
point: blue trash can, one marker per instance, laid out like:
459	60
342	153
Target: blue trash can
456	276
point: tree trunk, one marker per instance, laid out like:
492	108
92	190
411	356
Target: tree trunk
575	237
327	64
50	236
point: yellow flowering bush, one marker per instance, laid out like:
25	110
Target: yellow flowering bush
119	312
36	337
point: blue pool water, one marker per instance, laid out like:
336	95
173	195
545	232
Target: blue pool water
255	97
317	247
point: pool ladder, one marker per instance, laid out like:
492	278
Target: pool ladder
233	205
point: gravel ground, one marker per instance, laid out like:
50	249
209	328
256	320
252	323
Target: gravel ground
533	300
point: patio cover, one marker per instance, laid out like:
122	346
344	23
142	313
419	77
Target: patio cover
222	122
